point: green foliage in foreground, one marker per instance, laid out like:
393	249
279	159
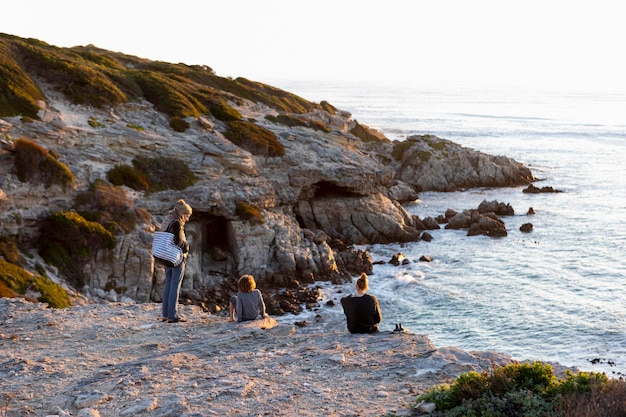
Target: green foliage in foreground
15	280
520	390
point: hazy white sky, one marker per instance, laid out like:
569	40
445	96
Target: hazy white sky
576	44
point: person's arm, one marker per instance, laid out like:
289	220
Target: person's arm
261	305
378	316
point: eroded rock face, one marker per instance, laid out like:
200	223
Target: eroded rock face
328	192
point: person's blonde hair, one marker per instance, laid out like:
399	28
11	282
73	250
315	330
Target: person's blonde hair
246	283
362	283
182	208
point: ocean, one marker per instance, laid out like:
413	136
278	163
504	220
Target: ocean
557	294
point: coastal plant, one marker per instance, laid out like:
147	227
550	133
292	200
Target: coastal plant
366	134
249	212
128	176
526	390
108	205
222	111
165	173
255	139
16	281
400	148
33	163
8	250
67	241
179	124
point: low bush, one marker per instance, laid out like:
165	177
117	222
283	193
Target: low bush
366	134
35	164
165	173
9	250
254	139
179	124
109	206
400	148
222	111
16	281
128	176
67	240
249	212
528	390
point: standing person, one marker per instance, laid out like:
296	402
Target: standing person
175	223
362	310
248	304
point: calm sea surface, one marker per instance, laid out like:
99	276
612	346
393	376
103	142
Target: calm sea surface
555	294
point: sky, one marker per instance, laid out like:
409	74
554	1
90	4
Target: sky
549	43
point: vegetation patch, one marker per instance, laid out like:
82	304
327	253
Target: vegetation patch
8	250
164	173
254	139
294	121
366	134
179	124
18	92
67	240
35	164
15	281
222	111
109	206
128	176
250	212
527	390
400	148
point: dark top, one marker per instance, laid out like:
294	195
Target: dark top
362	313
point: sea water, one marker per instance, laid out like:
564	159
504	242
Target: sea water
555	294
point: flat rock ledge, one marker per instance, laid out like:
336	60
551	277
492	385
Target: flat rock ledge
121	360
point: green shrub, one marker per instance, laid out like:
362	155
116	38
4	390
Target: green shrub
366	134
18	92
525	390
109	206
400	148
67	240
254	139
327	107
249	212
166	95
165	173
128	176
179	124
8	250
14	280
222	111
33	163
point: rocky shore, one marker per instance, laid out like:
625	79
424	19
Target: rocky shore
118	359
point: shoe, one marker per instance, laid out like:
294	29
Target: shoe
177	320
163	318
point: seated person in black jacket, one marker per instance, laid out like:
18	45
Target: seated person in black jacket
362	310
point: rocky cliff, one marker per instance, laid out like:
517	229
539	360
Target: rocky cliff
281	188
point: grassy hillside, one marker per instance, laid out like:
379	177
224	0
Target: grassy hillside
92	76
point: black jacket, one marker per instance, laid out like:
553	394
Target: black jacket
362	313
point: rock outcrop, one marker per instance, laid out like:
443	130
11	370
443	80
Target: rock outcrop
330	190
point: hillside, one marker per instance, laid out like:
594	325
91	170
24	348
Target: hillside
98	145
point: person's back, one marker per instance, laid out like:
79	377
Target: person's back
362	310
249	305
